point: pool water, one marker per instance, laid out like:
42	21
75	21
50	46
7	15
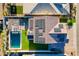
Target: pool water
15	39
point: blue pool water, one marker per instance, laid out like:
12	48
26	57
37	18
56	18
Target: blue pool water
15	39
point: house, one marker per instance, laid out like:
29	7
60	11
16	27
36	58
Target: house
38	29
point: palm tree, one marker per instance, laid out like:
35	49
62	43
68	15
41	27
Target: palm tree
71	19
71	8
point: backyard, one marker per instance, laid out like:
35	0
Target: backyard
29	45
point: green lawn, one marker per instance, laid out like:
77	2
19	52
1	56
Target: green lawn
19	9
25	41
34	46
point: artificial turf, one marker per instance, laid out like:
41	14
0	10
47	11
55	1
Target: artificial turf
25	41
19	9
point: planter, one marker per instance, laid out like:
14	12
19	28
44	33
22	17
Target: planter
70	22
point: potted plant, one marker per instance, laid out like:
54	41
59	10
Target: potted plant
70	22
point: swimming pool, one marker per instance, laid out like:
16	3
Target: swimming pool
15	39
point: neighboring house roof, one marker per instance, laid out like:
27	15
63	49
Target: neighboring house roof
62	8
28	7
67	7
59	8
45	8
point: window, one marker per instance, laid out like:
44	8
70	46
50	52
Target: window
40	24
57	29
